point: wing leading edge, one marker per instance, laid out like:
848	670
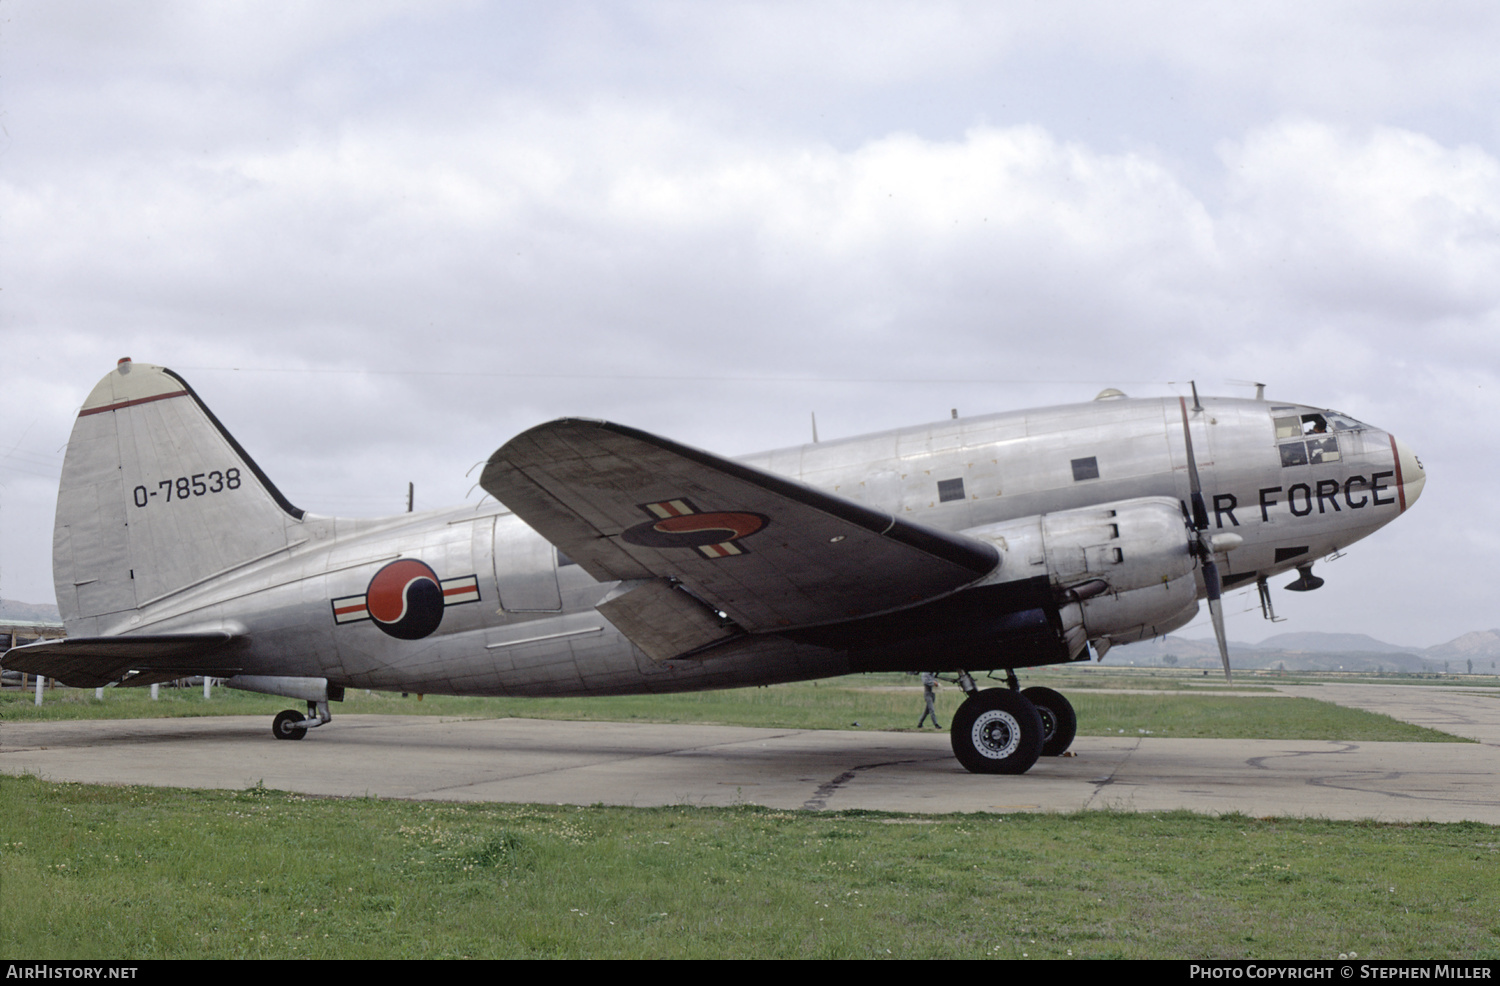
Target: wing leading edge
768	553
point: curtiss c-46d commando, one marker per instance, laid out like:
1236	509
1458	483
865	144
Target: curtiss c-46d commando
616	561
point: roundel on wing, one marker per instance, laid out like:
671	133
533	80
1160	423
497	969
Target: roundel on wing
405	599
695	529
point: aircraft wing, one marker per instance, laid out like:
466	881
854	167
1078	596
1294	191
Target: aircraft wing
92	662
769	552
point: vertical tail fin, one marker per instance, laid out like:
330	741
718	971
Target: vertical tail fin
155	496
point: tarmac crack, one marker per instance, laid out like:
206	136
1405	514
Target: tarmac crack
819	800
1103	782
1348	783
1259	763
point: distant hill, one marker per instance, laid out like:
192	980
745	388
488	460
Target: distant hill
11	609
1316	642
1477	652
1479	645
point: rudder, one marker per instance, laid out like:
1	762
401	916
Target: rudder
155	496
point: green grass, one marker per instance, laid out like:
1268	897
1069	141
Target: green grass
135	703
1091	675
95	872
882	702
151	873
1222	717
1247	679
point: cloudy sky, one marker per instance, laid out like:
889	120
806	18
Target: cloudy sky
380	238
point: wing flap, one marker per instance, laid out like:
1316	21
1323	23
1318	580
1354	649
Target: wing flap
664	621
768	551
93	662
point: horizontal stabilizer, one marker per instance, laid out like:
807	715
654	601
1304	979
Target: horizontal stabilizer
92	662
769	552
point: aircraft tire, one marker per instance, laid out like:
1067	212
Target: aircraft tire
1059	722
285	725
997	731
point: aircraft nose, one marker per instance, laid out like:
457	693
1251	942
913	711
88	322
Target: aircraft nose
1413	476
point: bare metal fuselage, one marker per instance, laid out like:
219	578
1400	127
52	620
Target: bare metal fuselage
534	629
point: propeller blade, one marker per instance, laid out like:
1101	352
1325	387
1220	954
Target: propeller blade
1200	509
1216	610
1201	543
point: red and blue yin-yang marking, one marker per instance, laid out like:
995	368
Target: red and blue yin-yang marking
679	524
406	599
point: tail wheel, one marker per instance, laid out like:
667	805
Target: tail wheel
997	731
288	725
1059	722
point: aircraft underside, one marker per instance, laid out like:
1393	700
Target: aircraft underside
999	730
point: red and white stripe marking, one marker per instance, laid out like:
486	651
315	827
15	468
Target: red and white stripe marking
352	609
671	508
118	405
460	590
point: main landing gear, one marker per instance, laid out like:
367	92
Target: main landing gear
1059	723
1004	730
293	725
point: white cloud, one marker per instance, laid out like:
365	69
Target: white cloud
290	206
1388	221
240	40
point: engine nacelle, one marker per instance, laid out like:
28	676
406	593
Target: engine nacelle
1123	570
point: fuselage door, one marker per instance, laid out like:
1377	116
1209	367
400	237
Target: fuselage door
525	568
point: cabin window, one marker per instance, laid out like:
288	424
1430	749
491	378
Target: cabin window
1085	469
950	489
1288	427
1294	454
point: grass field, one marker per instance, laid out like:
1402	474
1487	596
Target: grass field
117	872
885	702
1251	680
94	872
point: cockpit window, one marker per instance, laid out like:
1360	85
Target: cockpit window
1296	422
1303	436
1316	450
1307	436
1322	450
1341	422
